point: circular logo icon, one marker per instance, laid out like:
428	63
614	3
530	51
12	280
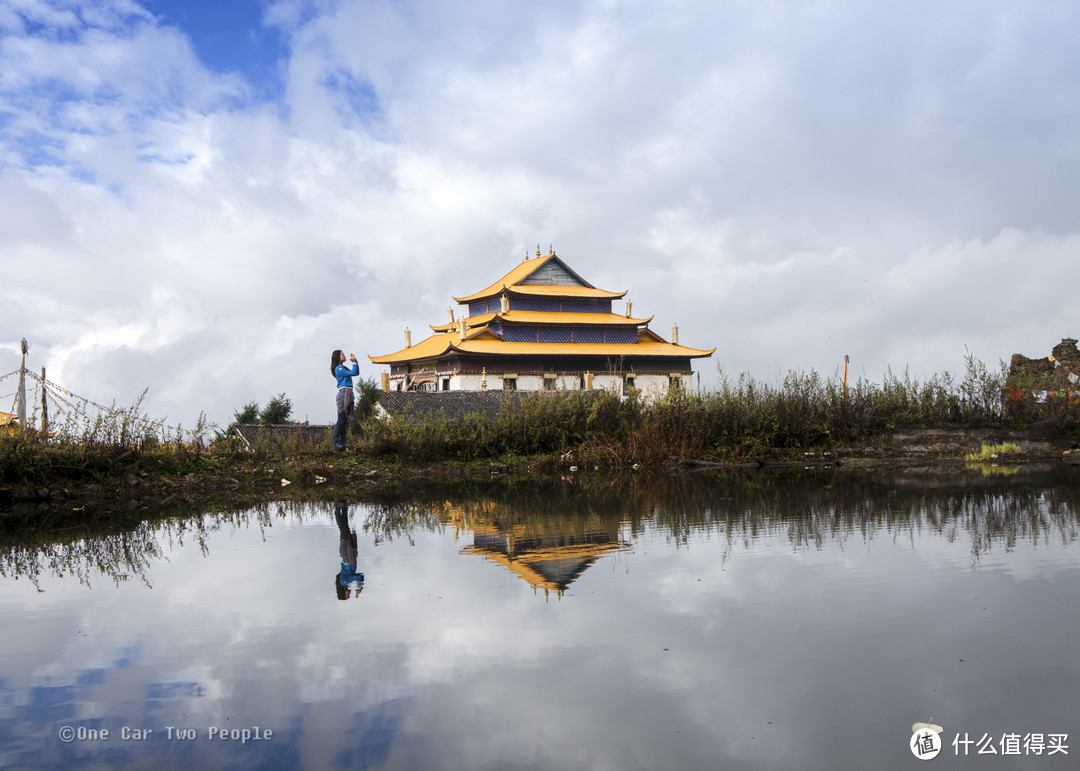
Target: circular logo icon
925	744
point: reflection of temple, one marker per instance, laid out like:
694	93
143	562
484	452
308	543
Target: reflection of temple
551	561
548	557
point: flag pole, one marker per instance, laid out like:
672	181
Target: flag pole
21	411
44	408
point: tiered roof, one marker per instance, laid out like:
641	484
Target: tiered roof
541	317
537	297
528	278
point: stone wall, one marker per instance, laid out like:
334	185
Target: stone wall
1041	373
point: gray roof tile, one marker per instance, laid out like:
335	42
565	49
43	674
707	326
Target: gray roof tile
455	405
250	435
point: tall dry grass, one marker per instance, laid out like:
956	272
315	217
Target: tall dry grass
742	418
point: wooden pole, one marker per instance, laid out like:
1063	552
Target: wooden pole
44	408
845	375
21	411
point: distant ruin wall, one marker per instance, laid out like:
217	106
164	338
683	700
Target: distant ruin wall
1044	373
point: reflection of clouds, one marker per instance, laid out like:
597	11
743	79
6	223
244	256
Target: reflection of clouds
775	632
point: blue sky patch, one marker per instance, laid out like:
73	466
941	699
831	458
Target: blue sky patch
229	37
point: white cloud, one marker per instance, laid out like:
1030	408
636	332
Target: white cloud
789	183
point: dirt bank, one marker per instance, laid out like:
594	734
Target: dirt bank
243	479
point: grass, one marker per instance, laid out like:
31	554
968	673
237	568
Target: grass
87	446
990	452
993	470
742	419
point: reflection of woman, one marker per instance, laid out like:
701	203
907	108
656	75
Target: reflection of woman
344	377
347	579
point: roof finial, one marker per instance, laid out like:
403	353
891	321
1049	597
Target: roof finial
551	249
538	250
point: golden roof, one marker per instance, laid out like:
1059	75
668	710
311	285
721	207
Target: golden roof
565	291
432	347
481	339
512	282
441	344
581	349
470	321
546	317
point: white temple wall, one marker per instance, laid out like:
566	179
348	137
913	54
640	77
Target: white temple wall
648	386
612	383
465	383
524	382
530	382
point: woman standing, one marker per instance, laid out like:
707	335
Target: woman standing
344	377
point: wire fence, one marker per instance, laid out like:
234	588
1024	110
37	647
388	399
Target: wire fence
58	412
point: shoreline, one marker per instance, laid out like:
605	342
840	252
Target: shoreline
251	478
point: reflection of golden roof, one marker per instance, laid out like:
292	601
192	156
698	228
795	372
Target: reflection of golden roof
552	568
478	514
512	282
547	558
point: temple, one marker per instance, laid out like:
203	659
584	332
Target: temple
541	327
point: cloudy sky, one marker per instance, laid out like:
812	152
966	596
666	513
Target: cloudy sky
204	198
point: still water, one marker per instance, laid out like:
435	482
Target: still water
747	621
